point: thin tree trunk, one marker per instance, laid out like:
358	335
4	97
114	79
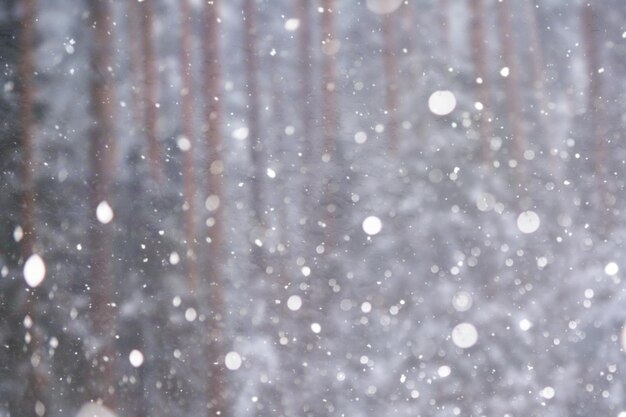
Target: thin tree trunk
329	88
478	39
189	186
539	87
27	124
589	22
102	153
217	380
257	153
596	115
444	27
391	79
514	109
330	120
37	380
136	64
150	88
307	116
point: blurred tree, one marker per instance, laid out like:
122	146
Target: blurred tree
390	47
188	146
150	87
102	161
35	399
217	383
256	147
478	39
511	73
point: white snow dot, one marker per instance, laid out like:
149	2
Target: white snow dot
316	328
183	143
294	303
505	71
232	360
442	102
525	324
104	212
360	137
95	410
464	335
34	270
444	371
271	173
528	221
174	258
622	413
18	233
191	314
135	358
292	24
462	301
366	307
306	271
542	261
383	6
212	202
40	408
547	393
611	269
240	133
372	225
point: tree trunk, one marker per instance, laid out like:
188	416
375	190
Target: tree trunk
150	88
257	151
136	65
217	381
444	27
589	22
391	80
596	115
189	186
329	87
479	56
102	153
513	98
330	120
37	380
307	115
27	124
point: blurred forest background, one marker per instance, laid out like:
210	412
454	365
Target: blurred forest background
307	208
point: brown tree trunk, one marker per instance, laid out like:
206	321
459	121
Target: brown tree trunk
37	380
307	116
189	186
391	79
217	392
257	152
444	27
136	65
330	119
329	87
150	88
478	40
102	155
27	124
514	109
589	23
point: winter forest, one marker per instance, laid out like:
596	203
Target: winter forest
285	208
